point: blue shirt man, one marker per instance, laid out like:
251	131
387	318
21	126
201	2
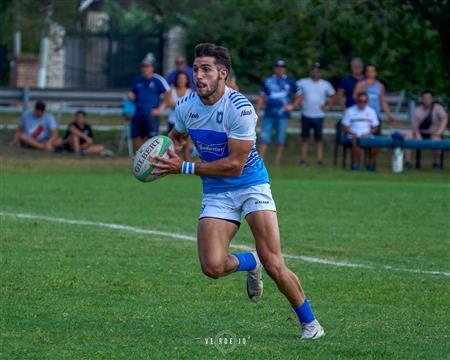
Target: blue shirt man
347	85
145	92
278	92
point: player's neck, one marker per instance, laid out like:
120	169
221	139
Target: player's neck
216	96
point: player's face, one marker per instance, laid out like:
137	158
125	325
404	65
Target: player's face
79	118
208	76
279	71
362	101
315	73
357	68
427	100
182	81
147	70
371	72
38	113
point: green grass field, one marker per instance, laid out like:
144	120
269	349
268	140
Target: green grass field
89	291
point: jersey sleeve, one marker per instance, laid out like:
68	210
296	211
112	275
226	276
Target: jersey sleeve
375	121
264	89
134	87
52	122
346	119
22	121
163	85
243	124
180	125
342	84
299	85
330	89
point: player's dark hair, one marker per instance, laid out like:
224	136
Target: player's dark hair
371	65
427	92
81	112
40	105
362	93
178	74
220	53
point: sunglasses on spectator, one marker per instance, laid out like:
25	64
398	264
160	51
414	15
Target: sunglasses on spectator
362	101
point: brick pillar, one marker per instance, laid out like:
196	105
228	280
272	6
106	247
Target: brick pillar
174	46
25	73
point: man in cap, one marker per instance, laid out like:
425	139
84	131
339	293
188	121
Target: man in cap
316	96
145	93
279	93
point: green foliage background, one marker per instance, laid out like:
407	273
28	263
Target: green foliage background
408	40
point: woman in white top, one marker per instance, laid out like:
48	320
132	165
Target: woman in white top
180	89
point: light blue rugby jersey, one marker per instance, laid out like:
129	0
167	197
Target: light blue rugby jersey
210	127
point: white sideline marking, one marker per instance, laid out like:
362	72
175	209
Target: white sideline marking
181	237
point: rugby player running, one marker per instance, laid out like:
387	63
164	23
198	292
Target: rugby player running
221	123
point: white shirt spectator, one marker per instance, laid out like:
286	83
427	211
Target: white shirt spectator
315	95
360	121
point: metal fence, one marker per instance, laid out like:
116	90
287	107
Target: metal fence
108	59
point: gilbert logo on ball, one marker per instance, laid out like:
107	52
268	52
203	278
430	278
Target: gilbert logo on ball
156	146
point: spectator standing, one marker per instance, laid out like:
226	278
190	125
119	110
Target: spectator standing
429	122
180	65
316	96
360	120
38	130
79	137
376	92
145	92
279	93
180	89
348	84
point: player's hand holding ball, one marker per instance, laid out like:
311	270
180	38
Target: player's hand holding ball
148	158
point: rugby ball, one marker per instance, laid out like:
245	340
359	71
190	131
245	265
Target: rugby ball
156	146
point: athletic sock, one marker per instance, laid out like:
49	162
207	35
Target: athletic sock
247	261
304	313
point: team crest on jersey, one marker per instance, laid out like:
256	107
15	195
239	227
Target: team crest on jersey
219	118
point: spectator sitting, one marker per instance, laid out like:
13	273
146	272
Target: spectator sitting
38	130
360	120
79	137
317	96
429	122
180	64
180	89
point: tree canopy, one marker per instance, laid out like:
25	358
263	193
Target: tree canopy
407	39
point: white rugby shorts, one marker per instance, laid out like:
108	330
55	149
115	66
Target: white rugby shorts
232	205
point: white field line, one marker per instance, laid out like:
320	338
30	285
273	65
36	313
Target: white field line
181	237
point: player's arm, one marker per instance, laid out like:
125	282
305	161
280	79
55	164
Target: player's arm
231	166
74	131
260	103
385	106
443	125
132	96
358	88
345	123
17	134
178	138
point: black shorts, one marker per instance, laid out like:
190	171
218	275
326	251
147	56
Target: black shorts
144	125
311	123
